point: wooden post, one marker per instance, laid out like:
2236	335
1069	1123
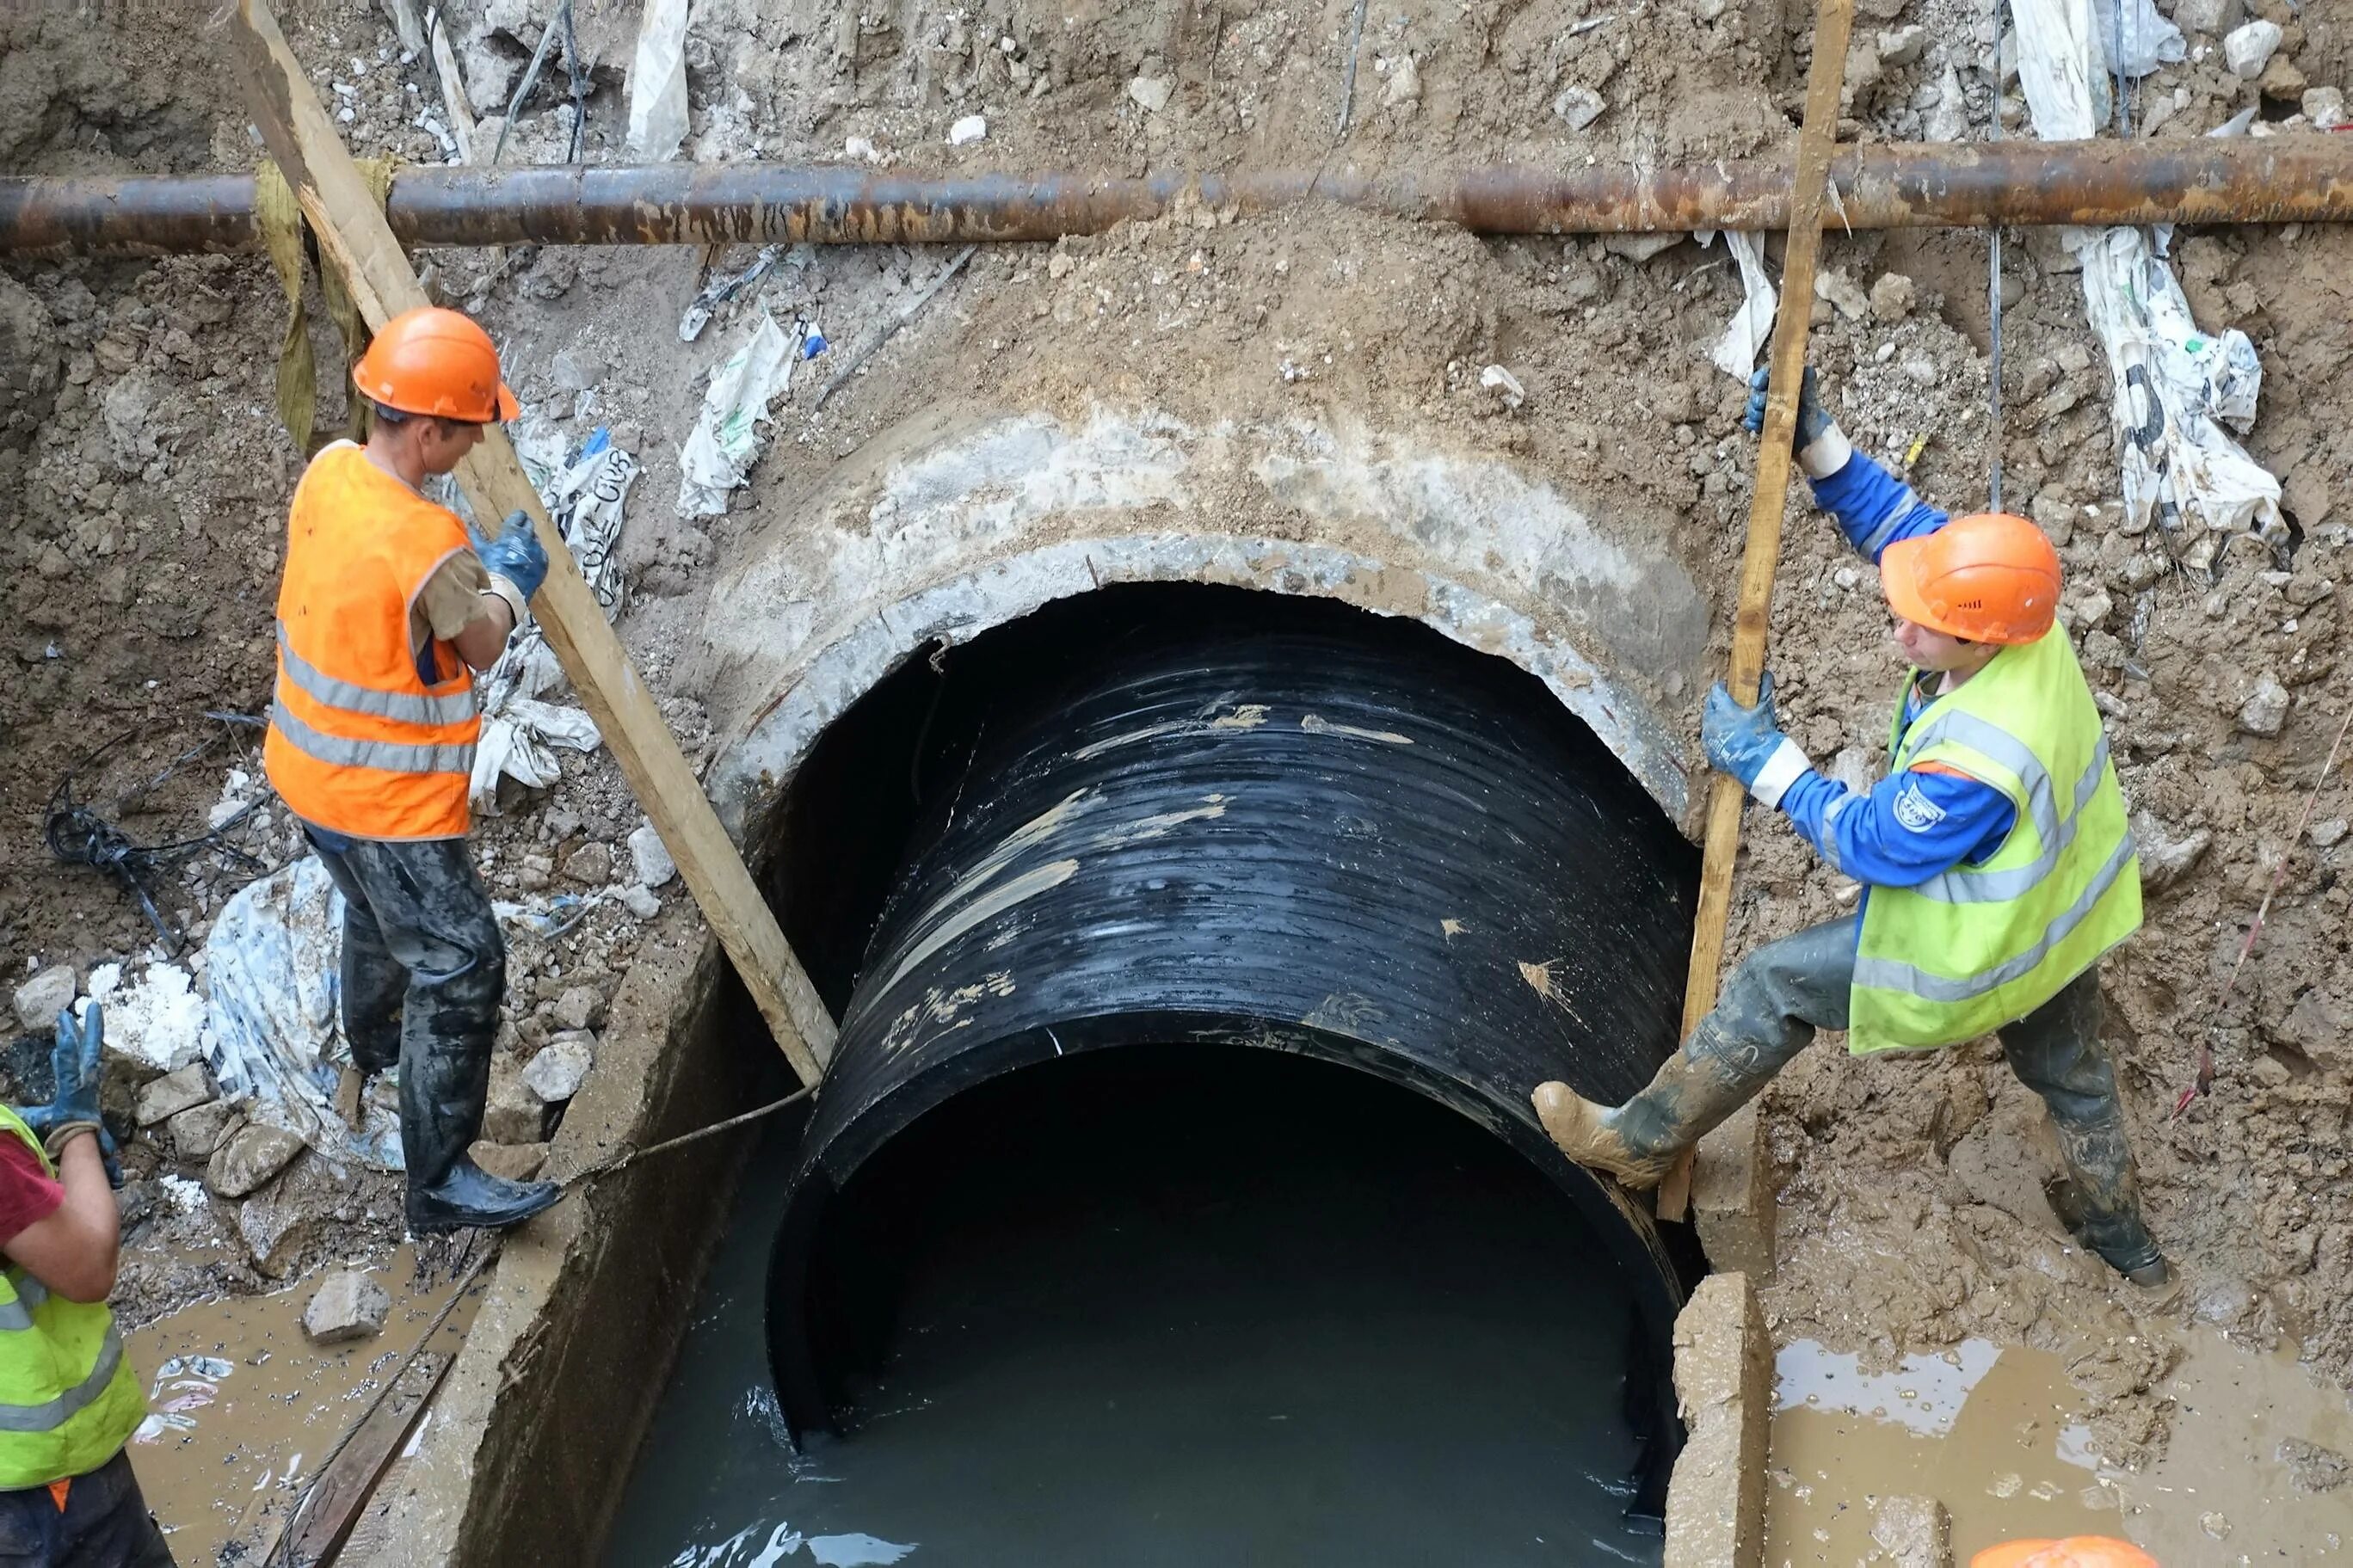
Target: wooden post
1824	83
355	240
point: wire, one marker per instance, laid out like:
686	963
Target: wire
79	835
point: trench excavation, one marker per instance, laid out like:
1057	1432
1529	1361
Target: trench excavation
1201	825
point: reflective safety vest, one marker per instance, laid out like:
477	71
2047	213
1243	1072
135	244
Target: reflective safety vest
69	1399
1980	945
367	736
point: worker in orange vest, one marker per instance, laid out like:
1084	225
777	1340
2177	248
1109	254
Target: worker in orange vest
387	610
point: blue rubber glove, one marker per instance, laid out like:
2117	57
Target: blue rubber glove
1748	745
75	1061
1811	419
515	554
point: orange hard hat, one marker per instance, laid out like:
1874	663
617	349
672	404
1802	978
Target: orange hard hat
438	363
1991	577
2075	1552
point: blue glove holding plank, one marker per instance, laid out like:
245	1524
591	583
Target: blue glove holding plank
1748	745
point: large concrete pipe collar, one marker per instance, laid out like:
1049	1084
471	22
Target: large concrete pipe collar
2278	179
1364	845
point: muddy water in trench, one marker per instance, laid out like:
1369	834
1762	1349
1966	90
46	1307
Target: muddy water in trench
243	1407
1994	1434
1340	1326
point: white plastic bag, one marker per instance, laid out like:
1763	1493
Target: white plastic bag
725	442
274	1027
586	498
2175	385
658	82
1745	335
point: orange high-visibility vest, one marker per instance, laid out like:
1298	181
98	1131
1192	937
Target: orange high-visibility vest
362	740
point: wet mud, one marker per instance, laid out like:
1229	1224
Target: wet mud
243	1407
1143	1313
1998	1435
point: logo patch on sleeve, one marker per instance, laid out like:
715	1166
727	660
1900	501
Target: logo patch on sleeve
1915	811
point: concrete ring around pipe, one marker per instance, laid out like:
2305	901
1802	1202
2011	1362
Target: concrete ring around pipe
944	533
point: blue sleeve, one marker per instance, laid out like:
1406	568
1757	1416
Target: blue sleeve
1908	829
1873	508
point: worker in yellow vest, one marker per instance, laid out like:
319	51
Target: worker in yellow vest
1997	863
387	610
69	1397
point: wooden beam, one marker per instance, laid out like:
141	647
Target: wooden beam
1825	82
355	240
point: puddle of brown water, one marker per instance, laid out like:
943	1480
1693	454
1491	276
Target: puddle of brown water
1993	1433
244	1407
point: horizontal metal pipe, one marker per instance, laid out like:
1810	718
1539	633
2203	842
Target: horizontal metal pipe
2305	178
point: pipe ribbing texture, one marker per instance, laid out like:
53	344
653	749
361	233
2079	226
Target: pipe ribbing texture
1380	851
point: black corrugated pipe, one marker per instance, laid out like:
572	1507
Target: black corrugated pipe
1330	835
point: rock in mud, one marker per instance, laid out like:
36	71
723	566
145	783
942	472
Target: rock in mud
276	1222
1913	1532
40	999
516	1114
558	1071
175	1092
515	1162
579	1007
2212	17
2266	709
348	1306
2163	857
198	1131
591	864
248	1160
652	857
641	901
2313	1468
2249	48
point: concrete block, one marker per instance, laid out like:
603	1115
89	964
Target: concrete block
1724	1387
516	1114
40	999
515	1162
349	1306
174	1093
199	1131
1732	1196
246	1162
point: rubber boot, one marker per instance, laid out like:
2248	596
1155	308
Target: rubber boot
2057	1052
373	982
1689	1096
442	1089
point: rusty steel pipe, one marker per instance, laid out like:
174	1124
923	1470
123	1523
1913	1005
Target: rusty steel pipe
2304	178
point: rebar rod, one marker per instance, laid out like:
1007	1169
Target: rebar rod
2298	178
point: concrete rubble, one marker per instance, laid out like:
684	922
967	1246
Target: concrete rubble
347	1305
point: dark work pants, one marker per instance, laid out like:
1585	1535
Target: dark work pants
1786	990
424	970
105	1524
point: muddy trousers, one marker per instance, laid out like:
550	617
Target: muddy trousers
1786	990
104	1524
424	970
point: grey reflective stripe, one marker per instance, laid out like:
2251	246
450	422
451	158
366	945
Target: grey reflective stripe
1829	846
1906	501
30	1293
51	1414
1967	885
1893	974
455	707
392	756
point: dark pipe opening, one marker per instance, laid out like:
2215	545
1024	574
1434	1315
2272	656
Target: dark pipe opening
1174	819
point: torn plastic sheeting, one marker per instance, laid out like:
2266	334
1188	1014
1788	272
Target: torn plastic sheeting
658	82
585	498
274	1024
1745	335
725	442
2174	384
